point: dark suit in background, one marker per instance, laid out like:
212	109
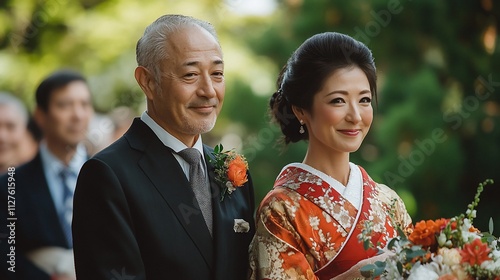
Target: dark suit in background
37	223
134	215
44	187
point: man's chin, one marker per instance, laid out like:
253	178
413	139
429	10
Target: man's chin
73	142
207	127
203	126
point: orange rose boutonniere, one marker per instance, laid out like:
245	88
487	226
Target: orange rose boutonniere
230	170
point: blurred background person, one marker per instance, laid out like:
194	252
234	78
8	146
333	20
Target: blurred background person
45	185
28	148
99	134
105	129
13	123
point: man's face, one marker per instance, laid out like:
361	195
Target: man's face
191	87
12	129
69	112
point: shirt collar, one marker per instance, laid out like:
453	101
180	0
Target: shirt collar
168	139
56	165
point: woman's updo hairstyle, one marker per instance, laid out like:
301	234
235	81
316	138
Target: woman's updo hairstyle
307	69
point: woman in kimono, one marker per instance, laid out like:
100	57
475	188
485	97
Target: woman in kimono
309	225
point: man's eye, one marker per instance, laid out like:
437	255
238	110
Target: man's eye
63	104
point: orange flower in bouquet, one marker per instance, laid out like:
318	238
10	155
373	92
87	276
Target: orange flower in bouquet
231	170
475	253
424	232
442	249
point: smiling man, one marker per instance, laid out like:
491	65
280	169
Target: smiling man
148	206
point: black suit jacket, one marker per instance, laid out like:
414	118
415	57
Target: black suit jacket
37	223
136	217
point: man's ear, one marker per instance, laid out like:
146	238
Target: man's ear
40	117
146	81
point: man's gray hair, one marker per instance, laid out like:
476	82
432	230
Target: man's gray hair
151	47
7	99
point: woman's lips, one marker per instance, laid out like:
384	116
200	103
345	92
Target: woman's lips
350	132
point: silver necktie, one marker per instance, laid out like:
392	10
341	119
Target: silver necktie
198	182
65	216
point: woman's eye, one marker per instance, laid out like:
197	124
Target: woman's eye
337	101
366	100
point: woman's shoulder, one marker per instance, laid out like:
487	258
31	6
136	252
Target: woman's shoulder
387	194
386	189
280	193
382	188
394	201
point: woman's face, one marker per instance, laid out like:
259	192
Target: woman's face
341	113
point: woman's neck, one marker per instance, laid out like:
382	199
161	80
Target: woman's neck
335	164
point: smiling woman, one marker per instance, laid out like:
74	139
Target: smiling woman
308	224
340	117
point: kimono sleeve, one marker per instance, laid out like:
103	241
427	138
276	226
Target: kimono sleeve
276	251
402	218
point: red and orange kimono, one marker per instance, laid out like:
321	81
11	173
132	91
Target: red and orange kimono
308	224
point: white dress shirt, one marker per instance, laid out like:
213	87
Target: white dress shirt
52	167
175	144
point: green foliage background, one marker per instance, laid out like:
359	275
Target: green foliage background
436	134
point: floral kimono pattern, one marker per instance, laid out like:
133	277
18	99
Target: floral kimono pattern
306	229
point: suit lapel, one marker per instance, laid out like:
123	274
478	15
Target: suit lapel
215	189
230	248
40	194
164	171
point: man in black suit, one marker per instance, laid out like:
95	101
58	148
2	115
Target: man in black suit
43	188
138	214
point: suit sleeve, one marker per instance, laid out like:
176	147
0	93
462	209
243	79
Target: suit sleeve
103	234
251	196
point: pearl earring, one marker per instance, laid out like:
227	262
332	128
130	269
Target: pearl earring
301	129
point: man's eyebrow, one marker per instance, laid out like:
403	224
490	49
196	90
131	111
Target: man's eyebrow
195	63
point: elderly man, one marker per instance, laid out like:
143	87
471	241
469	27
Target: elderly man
13	123
144	208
